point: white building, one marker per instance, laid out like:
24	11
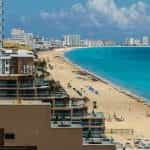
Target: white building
146	41
99	43
21	37
73	40
56	43
133	42
130	41
137	42
92	43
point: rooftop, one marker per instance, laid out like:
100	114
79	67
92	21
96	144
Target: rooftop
7	53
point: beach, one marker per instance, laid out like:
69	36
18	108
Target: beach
127	116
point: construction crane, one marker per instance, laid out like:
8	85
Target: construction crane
1	23
2	41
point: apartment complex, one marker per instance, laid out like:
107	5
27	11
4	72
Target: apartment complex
36	113
145	41
73	40
20	36
21	78
16	62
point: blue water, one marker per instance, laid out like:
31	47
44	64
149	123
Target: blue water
128	67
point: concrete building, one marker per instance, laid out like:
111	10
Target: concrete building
146	41
36	113
16	62
99	43
129	41
26	126
94	43
23	77
56	43
133	42
137	42
73	40
22	37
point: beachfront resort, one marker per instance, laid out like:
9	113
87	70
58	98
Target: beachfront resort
37	113
49	100
126	115
76	101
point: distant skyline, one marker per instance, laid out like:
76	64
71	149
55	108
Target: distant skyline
93	19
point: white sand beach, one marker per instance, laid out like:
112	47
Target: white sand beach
125	114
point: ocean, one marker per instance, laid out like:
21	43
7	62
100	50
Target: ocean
126	67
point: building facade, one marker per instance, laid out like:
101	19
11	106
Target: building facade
146	41
16	62
27	126
73	40
20	36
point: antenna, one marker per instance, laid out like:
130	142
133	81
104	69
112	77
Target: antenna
1	23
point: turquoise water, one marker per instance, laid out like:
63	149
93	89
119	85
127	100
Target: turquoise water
128	67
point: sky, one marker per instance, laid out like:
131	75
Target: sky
93	19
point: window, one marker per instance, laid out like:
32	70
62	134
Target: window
2	137
9	136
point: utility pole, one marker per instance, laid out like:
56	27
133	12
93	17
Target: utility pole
1	23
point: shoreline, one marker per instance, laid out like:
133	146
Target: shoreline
105	81
111	99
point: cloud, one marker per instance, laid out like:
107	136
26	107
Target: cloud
79	8
95	10
123	17
99	18
53	15
109	9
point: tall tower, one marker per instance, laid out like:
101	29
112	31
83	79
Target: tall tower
1	23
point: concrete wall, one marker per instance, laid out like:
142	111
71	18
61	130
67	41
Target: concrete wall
31	126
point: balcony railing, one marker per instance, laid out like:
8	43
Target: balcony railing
33	96
99	141
64	124
70	105
22	86
96	123
95	134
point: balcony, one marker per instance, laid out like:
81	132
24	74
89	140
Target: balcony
6	85
57	95
98	141
69	106
24	96
64	124
93	134
14	86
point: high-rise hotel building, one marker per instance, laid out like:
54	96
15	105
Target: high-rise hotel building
146	41
73	40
